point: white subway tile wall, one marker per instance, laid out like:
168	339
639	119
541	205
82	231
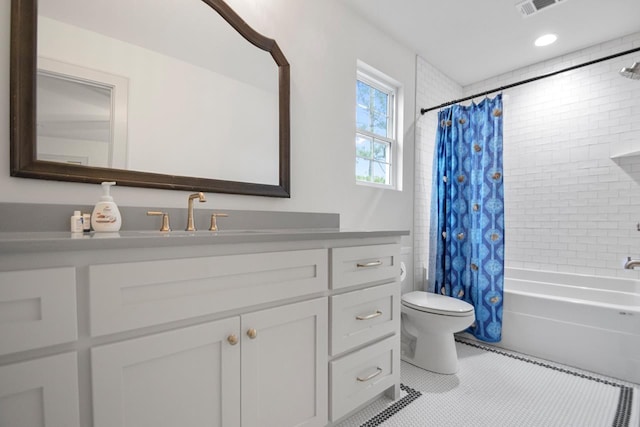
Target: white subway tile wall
433	88
569	206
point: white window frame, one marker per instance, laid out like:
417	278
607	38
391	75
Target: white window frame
379	81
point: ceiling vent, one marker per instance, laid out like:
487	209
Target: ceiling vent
531	7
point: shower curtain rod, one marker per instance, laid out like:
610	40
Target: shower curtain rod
533	79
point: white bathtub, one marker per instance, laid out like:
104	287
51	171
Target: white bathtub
588	322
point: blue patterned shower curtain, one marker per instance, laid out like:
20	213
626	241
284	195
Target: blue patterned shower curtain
467	212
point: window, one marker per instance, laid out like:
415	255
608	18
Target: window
375	129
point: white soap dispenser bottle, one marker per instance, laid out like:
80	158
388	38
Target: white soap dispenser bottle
106	216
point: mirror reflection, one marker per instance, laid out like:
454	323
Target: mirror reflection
188	111
177	94
76	120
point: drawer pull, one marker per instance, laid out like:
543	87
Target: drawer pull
371	376
369	264
233	340
252	333
370	316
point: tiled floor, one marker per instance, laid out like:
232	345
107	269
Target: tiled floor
497	388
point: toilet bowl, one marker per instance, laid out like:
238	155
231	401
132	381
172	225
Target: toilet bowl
431	320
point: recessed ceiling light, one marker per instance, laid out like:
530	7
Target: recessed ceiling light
545	40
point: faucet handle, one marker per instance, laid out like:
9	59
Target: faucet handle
214	223
165	219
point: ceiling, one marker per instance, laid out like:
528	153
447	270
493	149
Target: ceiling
471	40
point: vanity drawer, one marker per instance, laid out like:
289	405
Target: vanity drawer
132	295
363	264
37	308
40	392
364	315
362	375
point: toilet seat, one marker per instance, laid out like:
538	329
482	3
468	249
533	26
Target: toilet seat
437	304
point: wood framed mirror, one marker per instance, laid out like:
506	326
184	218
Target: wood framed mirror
199	167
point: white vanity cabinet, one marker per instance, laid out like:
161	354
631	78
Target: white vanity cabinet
365	326
271	371
194	376
285	330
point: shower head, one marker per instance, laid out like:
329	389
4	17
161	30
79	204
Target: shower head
632	72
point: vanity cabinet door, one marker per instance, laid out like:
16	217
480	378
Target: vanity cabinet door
41	392
187	377
284	366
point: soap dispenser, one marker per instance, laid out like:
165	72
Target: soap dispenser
106	216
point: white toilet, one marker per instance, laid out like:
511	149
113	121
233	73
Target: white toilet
432	319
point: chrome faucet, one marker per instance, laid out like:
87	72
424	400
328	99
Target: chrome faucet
631	263
201	199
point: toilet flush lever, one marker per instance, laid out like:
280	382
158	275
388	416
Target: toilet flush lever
370	316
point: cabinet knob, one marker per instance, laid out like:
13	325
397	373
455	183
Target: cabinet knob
233	340
252	333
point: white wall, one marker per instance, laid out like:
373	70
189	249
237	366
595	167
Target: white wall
569	206
322	40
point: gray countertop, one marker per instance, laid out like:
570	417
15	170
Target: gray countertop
15	242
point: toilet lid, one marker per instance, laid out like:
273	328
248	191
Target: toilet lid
436	303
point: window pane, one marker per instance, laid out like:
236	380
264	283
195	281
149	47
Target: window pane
380	126
381	151
372	109
363	147
380	173
381	102
363	169
363	92
363	119
375	134
363	96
